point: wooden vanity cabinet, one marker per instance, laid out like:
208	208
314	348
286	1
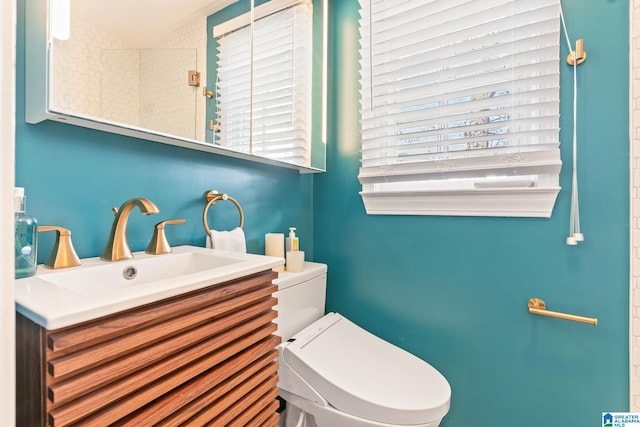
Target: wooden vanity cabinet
204	358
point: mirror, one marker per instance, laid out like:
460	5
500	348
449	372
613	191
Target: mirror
151	70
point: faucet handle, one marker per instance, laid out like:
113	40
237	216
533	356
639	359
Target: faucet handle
62	255
159	243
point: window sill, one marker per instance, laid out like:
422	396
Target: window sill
511	202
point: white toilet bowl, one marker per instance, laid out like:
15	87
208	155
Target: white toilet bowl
344	376
334	373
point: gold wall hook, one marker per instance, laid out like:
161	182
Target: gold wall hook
62	255
579	54
159	243
537	306
207	92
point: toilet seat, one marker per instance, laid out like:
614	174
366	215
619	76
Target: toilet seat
335	362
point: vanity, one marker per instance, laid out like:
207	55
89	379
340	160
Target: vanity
194	346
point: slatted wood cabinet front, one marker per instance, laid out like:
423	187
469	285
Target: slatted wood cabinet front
203	358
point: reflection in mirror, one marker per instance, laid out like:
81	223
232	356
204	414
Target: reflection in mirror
274	105
263	73
144	69
161	100
139	78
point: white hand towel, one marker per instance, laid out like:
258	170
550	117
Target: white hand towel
233	240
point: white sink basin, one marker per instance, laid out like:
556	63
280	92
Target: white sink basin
107	277
59	298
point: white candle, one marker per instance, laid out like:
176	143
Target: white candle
274	246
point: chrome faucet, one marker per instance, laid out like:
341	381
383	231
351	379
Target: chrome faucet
117	248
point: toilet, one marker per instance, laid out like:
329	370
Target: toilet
334	373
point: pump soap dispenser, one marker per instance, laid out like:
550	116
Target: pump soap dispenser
295	257
292	243
25	238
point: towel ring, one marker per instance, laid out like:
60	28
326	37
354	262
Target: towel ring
214	197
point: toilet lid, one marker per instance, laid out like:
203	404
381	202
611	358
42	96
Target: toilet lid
363	375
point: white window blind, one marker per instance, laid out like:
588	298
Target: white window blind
460	107
272	118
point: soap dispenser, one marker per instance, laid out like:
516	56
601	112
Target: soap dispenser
292	241
25	238
295	257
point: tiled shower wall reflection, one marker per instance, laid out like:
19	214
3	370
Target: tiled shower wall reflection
76	70
98	75
635	207
190	39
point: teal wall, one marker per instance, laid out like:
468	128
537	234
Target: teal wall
451	290
74	176
454	290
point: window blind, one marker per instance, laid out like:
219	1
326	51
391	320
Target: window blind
264	107
459	107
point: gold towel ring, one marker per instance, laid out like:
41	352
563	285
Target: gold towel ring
214	197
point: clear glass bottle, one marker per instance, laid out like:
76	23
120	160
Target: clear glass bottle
26	237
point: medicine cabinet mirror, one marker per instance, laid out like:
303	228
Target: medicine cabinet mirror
171	71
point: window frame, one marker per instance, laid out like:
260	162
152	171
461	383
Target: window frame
387	188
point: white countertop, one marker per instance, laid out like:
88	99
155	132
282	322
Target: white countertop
47	300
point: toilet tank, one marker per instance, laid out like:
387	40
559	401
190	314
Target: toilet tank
301	298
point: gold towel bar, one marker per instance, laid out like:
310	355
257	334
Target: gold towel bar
214	197
537	306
